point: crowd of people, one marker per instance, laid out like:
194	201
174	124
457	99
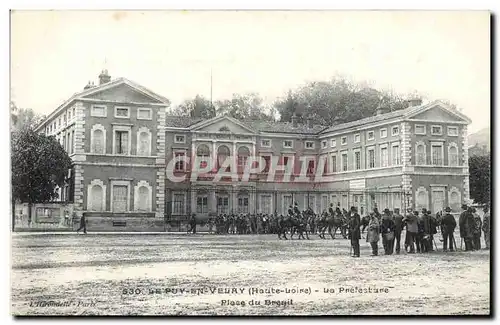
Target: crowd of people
421	227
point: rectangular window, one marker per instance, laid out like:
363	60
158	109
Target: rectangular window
69	115
371	158
144	113
370	135
395	130
288	144
310	167
309	144
343	141
333	143
266	204
180	138
222	204
179	161
437	154
266	143
122	112
334	164
420	129
324	144
242	204
267	161
72	142
201	204
396	160
384	157
285	160
357	138
121	142
357	160
344	162
120	198
436	130
383	133
453	131
287	202
98	111
178	204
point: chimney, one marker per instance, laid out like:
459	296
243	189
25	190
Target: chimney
294	120
89	85
104	77
309	122
413	102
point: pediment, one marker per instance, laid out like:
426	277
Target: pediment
124	93
439	113
223	124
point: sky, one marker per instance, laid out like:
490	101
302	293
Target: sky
441	54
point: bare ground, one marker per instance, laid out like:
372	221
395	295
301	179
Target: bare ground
95	274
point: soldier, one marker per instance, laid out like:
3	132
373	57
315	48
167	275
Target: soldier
448	225
398	228
477	230
466	224
486	226
387	230
354	232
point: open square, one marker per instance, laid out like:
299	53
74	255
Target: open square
167	274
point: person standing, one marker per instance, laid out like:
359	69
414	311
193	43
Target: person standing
448	225
372	235
387	230
398	229
477	230
354	231
192	223
486	226
83	225
466	224
411	221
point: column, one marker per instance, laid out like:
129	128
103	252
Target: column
234	199
251	202
193	200
214	155
212	201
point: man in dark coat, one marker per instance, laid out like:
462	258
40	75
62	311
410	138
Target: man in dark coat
192	224
83	225
354	231
377	214
466	224
330	210
387	231
478	224
398	228
448	225
425	231
290	210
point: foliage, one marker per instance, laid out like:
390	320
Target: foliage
23	117
196	107
479	178
39	165
246	106
336	101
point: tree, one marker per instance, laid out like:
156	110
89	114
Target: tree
196	107
23	117
479	178
39	165
246	106
335	101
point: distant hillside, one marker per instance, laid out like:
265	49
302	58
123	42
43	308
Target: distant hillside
481	138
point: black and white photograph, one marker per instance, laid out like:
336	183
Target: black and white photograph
250	163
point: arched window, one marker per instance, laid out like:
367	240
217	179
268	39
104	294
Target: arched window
143	199
144	142
452	155
96	192
421	197
454	199
222	154
421	158
142	196
203	154
98	139
243	153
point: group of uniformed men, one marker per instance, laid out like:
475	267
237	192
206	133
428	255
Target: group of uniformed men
420	230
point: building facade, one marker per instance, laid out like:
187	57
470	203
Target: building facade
133	165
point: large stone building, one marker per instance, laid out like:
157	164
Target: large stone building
122	144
